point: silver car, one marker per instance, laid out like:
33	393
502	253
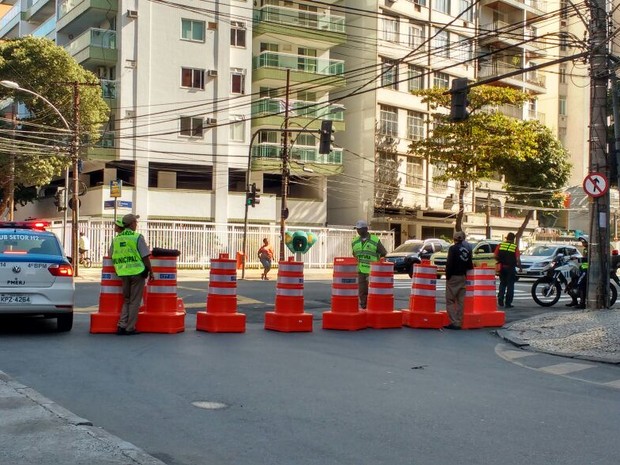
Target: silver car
537	258
36	278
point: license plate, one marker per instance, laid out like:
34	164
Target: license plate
14	299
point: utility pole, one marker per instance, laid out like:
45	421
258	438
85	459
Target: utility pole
11	188
598	256
75	159
285	166
488	215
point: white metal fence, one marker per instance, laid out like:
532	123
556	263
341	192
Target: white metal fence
199	242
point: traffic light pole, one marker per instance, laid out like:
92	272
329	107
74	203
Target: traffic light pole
285	166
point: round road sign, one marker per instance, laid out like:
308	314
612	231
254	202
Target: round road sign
595	184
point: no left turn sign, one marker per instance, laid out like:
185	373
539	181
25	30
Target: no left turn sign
595	184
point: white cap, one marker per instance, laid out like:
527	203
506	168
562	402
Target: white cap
361	224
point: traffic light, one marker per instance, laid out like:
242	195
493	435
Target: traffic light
299	241
459	101
60	200
325	141
252	198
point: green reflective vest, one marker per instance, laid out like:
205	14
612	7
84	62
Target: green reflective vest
125	256
365	252
506	254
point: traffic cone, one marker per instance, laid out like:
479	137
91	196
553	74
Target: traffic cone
288	315
221	315
110	300
380	311
422	301
480	309
344	313
164	311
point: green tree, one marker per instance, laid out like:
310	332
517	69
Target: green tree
42	140
474	149
537	182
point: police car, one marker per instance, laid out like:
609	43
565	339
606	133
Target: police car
36	278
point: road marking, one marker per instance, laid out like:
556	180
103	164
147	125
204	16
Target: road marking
614	384
566	368
516	354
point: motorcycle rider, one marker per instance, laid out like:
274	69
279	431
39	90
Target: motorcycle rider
580	282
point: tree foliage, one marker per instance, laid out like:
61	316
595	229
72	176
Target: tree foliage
39	65
474	149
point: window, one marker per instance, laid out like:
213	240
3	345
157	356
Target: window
390	29
441	44
306	60
564	8
441	80
193	30
415	125
563	41
388	124
437	184
562	106
462	48
237	34
389	74
563	74
442	5
469	15
193	78
415	78
415	172
237	128
416	36
270	92
237	80
191	127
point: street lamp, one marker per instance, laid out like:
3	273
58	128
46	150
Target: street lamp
74	225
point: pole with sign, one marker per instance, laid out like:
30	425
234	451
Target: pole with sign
116	187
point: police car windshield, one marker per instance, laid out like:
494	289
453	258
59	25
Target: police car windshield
27	242
539	251
409	247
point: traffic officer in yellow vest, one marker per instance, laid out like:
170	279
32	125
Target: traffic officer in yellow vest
508	260
130	256
367	248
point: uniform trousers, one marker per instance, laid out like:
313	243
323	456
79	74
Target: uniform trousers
455	298
133	287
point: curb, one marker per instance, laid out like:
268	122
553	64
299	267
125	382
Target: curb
133	453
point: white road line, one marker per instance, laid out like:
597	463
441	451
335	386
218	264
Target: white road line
516	354
566	368
614	384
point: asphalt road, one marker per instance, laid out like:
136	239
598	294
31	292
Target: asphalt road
389	397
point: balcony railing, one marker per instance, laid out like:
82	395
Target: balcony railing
109	88
498	68
107	140
536	78
46	28
299	63
93	37
66	6
10	16
298	154
300	18
269	106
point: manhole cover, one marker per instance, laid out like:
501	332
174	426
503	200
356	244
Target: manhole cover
209	405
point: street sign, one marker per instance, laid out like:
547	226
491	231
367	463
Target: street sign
596	184
116	186
120	204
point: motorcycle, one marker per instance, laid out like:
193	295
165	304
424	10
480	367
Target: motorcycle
562	277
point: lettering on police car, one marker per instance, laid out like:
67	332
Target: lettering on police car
37	265
15	282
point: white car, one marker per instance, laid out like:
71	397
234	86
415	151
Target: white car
536	259
36	278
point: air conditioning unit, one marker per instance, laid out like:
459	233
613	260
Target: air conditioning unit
102	72
132	14
417	7
212	73
211	121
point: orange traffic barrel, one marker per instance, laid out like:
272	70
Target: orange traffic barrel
221	315
480	308
110	300
288	315
380	311
344	313
164	311
423	301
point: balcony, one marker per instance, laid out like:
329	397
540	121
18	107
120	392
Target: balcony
104	149
268	157
323	73
95	47
38	10
10	21
293	22
75	16
269	111
47	29
501	32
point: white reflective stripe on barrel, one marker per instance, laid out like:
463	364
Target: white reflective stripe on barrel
423	292
109	276
339	280
222	290
345	269
162	289
424	281
290	292
290	280
380	290
164	263
223	278
291	268
107	262
228	265
424	270
489	293
382	279
348	292
111	289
